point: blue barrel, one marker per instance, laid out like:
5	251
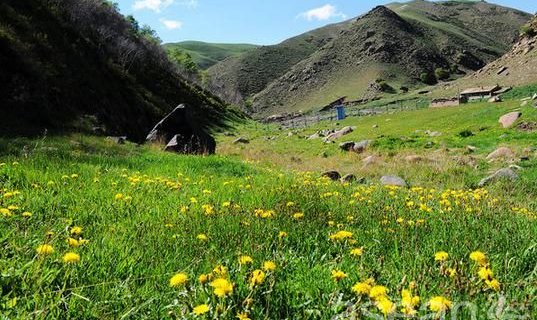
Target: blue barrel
340	110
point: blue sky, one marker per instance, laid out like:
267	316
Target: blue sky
253	21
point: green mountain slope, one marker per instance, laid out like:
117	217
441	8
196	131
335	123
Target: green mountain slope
206	54
73	65
238	78
397	44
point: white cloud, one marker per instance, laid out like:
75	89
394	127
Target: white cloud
325	12
155	5
189	3
171	24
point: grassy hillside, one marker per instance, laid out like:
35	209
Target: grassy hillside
238	78
396	46
78	65
517	67
208	54
110	231
458	37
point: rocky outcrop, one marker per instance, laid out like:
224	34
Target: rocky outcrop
509	119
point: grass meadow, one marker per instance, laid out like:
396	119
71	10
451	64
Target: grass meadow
94	230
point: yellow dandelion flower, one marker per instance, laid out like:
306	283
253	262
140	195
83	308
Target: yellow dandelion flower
6	212
71	258
493	284
338	275
178	280
201	309
451	272
226	204
202	237
441	256
282	234
357	252
439	304
45	249
257	278
385	305
244	259
220	271
377	292
290	204
361	288
27	214
76	230
479	257
298	215
243	316
73	242
341	235
203	278
222	287
485	273
269	266
119	196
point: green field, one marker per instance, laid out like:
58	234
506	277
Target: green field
206	54
158	235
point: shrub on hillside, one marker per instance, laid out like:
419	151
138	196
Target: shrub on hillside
441	74
428	78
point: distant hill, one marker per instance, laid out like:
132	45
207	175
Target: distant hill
206	54
399	45
238	78
74	65
516	68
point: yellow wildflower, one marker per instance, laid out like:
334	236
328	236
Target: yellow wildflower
341	235
203	278
220	271
202	237
6	212
178	280
439	304
338	275
243	316
441	256
222	287
76	231
282	234
361	288
485	273
257	278
73	242
71	258
201	309
298	215
244	259
269	266
119	196
27	214
385	305
377	292
45	249
493	284
357	252
479	257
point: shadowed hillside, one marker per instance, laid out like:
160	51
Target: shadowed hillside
74	65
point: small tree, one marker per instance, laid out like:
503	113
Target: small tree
149	34
441	74
428	78
183	60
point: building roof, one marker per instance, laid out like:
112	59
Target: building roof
481	90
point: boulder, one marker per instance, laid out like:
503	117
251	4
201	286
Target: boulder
433	133
340	133
348	178
242	140
314	136
471	149
501	153
370	160
346	146
360	147
524	103
333	175
182	131
509	119
393	181
505	174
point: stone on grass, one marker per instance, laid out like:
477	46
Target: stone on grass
501	153
505	174
340	133
509	119
346	146
332	175
393	181
348	178
241	140
360	147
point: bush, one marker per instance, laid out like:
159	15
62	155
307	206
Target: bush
385	87
528	31
428	78
441	74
